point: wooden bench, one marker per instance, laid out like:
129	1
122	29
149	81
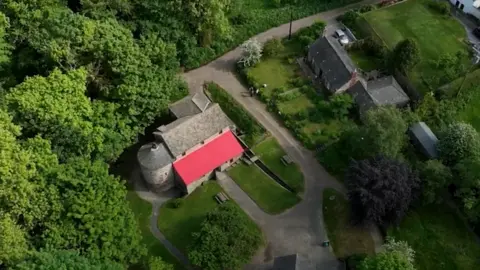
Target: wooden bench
286	160
221	197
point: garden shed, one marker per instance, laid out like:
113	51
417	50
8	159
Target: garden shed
424	139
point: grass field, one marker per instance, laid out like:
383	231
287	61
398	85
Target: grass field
270	152
142	211
178	224
268	195
296	105
345	239
435	34
440	239
273	72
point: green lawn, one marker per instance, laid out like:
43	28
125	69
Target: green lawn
274	72
436	35
268	195
178	224
270	152
363	61
142	211
345	238
440	239
321	133
296	105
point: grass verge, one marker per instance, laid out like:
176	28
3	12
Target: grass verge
268	195
345	238
142	211
440	239
270	152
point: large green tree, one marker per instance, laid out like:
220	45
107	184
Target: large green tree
435	178
4	46
227	239
468	186
96	219
13	244
56	108
64	259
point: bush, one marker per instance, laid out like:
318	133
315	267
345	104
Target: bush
366	8
441	7
435	178
176	203
405	55
458	141
273	47
349	18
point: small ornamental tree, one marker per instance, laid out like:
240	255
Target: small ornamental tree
458	141
252	52
396	255
381	189
405	55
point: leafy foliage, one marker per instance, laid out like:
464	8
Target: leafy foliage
458	141
405	55
435	178
468	186
61	259
383	132
381	189
273	47
13	244
226	240
441	7
156	263
396	255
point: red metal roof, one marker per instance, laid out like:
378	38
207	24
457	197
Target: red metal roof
208	157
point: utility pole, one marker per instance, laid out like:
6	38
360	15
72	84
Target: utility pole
291	20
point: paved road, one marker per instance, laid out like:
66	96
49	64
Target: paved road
300	229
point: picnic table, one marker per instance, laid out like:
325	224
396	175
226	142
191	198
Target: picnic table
286	160
221	197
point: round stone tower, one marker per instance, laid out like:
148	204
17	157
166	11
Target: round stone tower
156	166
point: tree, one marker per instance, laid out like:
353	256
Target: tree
383	132
437	114
57	109
4	46
156	263
435	178
227	239
449	65
386	261
381	189
405	55
63	259
340	105
468	186
13	244
252	52
96	220
458	141
396	255
273	47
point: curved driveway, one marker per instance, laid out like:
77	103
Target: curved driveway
300	229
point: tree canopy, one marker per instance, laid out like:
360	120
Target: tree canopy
458	141
396	255
227	239
381	189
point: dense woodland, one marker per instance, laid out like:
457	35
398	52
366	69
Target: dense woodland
79	80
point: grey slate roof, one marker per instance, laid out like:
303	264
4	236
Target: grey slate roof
180	137
154	158
289	262
424	136
380	92
190	105
333	60
387	91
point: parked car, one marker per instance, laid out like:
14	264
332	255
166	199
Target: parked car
342	38
476	32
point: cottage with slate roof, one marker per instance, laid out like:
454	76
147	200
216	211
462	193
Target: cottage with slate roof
331	64
187	151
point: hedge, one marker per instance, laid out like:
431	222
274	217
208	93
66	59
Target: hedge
253	131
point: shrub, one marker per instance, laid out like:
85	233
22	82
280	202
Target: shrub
458	141
273	47
405	55
349	18
441	7
366	8
435	178
176	203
